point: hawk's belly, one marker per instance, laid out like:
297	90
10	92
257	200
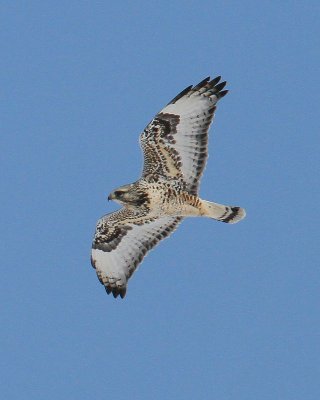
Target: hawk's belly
167	201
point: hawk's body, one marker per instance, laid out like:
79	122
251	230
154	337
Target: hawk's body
174	145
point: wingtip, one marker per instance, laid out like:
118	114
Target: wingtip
215	80
108	289
181	94
116	291
222	93
201	84
213	85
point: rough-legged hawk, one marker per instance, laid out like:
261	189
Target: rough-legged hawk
175	149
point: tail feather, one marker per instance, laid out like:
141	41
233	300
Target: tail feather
228	214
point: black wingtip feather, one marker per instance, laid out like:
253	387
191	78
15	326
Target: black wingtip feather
116	291
215	80
181	94
212	85
220	86
201	84
222	93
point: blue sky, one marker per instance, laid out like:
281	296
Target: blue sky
216	312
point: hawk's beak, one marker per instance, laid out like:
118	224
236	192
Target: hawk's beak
110	197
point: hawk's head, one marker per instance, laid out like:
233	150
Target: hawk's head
129	195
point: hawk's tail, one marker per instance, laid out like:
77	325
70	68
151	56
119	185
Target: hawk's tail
228	214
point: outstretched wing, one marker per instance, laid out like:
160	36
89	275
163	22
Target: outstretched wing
175	143
121	241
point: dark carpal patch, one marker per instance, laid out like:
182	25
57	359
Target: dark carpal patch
109	240
169	123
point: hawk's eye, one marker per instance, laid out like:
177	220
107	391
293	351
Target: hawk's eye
118	193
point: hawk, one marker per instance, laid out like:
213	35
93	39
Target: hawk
175	151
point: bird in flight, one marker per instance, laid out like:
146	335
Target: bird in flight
175	151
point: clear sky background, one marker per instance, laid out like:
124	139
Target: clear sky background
215	312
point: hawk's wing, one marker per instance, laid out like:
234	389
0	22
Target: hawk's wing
175	142
121	241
